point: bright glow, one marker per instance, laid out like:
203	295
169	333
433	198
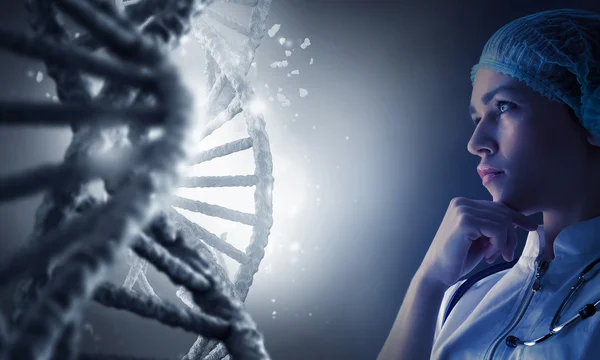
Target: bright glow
257	107
295	246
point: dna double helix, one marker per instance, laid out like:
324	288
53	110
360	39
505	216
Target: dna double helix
137	135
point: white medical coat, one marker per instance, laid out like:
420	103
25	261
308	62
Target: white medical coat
490	306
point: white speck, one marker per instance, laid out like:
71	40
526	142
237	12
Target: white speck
281	41
311	61
274	312
305	44
267	86
279	64
309	314
289	75
318	199
285	102
55	98
270	98
48	95
303	92
296	115
314	127
295	72
347	137
30	73
39	77
253	64
274	29
295	246
272	300
288	53
318	186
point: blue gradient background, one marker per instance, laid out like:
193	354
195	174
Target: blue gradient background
393	76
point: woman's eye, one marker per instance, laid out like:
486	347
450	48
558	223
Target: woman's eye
502	107
500	104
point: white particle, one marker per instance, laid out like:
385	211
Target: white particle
48	95
296	115
273	300
285	102
295	246
305	44
289	75
295	72
267	86
303	92
281	41
274	312
30	73
311	61
347	137
309	314
288	53
39	77
270	98
314	127
279	64
253	64
318	199
274	29
318	186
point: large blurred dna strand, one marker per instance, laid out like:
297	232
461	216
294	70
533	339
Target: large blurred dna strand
136	135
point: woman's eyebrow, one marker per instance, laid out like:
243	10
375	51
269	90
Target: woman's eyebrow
490	95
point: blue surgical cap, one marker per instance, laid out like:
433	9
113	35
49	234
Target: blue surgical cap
557	54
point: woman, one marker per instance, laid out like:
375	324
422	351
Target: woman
536	108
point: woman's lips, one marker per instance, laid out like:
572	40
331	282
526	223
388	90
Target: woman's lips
490	177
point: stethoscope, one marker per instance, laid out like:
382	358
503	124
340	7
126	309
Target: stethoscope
585	312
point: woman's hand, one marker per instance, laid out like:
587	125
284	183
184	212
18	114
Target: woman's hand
470	231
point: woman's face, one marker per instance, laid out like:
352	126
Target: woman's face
541	149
